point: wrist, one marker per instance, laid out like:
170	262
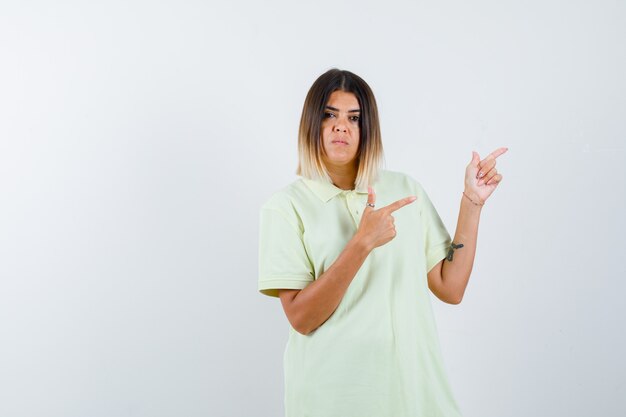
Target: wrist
362	243
473	198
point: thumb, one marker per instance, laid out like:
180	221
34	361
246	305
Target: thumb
371	197
475	158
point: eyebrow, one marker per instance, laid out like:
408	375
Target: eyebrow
349	111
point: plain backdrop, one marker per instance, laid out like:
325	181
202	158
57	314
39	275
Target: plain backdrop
139	139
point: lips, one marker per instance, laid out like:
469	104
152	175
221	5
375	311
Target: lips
340	142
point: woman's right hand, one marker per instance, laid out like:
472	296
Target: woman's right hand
377	226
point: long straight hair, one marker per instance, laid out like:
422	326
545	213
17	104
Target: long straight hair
310	147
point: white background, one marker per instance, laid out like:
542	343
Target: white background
139	139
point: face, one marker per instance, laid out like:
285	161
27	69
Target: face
340	129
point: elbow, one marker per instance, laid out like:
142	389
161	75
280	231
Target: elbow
300	325
305	325
303	330
297	320
455	299
297	325
449	297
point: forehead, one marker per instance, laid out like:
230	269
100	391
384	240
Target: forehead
343	100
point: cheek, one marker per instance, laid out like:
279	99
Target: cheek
356	136
326	132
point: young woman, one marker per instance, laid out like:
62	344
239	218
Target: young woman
352	251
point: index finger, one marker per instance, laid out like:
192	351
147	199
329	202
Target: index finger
497	153
399	204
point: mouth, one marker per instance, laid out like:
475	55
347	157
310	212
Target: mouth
339	142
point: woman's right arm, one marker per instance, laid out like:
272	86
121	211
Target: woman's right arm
309	308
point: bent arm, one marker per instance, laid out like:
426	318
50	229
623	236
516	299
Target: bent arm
448	279
309	308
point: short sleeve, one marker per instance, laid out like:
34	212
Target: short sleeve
437	239
283	261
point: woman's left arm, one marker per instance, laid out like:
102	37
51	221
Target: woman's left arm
448	279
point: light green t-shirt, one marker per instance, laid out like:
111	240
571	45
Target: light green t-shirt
378	354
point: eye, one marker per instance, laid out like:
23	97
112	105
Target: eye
328	115
355	118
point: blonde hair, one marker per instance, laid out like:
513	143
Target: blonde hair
310	148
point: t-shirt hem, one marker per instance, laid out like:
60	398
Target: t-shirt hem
435	255
271	286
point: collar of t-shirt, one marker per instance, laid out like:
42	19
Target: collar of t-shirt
326	190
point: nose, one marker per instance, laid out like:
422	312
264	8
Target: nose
340	127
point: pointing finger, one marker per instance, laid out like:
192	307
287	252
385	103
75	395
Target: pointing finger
497	153
399	204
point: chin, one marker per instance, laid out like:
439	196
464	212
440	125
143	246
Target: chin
340	159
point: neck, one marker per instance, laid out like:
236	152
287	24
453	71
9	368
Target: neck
343	176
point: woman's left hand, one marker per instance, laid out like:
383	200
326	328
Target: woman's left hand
481	177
